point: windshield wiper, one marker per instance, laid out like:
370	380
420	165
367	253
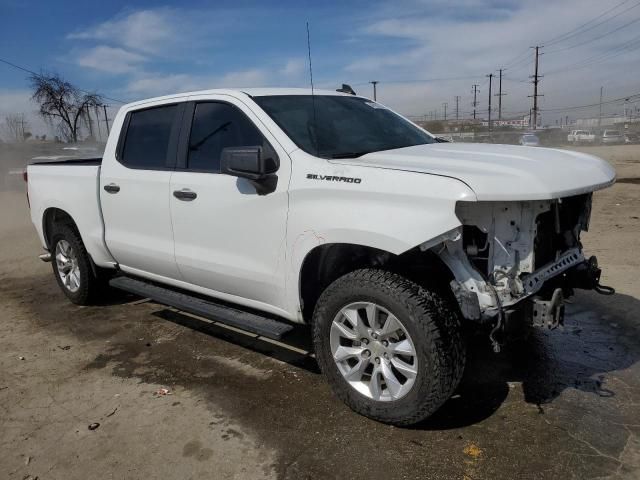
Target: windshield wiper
350	154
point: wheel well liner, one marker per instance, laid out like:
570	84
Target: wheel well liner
54	216
326	263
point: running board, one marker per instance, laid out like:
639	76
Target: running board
267	327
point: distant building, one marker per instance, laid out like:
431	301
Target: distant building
508	122
608	121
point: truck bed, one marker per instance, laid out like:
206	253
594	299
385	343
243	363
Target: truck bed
72	186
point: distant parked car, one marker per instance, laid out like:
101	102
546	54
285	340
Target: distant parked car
529	140
581	136
611	137
631	138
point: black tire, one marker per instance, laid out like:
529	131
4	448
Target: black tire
91	286
432	323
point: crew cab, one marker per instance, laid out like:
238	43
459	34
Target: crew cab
265	208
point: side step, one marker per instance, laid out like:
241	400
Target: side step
267	327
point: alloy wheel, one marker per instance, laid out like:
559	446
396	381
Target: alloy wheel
373	351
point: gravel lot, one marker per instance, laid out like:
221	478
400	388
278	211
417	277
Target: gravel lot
567	405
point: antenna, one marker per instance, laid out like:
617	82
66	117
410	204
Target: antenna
313	97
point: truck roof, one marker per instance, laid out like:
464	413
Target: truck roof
252	92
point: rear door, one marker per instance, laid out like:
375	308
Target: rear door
134	192
227	237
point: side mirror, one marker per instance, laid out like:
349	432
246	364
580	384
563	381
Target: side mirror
253	163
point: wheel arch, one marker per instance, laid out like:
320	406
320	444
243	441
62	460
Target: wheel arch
52	216
327	262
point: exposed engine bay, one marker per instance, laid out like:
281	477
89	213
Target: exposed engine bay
506	252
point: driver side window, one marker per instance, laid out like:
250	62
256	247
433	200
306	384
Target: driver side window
215	127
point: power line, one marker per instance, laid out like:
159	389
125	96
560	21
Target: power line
575	31
601	57
7	62
422	80
633	97
596	38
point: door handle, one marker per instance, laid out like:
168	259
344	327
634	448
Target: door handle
112	188
185	195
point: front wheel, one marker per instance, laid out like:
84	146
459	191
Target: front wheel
391	350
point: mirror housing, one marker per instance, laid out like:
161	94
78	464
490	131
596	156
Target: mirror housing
253	163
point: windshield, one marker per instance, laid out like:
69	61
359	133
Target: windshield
341	126
612	132
530	138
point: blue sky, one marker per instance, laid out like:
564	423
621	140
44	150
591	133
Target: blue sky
423	52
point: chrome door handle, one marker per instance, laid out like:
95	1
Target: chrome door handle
112	188
185	195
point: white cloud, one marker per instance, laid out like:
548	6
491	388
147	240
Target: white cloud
150	84
109	59
149	31
468	42
294	67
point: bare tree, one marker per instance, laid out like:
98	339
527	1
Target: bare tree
62	102
15	127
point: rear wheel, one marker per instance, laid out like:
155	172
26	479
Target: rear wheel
72	267
391	350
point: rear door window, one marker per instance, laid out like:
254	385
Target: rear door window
148	136
217	126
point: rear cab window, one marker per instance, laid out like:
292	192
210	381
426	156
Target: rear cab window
148	138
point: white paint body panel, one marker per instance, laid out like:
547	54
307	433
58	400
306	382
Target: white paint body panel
501	172
73	189
241	247
230	239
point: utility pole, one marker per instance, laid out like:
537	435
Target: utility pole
445	104
106	120
374	83
475	100
600	114
536	80
97	112
490	82
500	95
90	123
457	102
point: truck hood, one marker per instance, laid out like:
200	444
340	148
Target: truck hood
500	172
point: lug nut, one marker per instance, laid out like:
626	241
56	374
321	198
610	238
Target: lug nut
385	356
366	354
365	341
378	360
385	343
375	336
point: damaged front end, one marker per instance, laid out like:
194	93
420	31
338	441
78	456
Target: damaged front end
518	261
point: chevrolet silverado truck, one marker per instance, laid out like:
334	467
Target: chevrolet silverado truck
265	208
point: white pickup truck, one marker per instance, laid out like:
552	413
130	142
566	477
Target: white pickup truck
263	208
581	136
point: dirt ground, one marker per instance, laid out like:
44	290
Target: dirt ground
566	405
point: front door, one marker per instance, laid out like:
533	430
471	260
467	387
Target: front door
227	237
